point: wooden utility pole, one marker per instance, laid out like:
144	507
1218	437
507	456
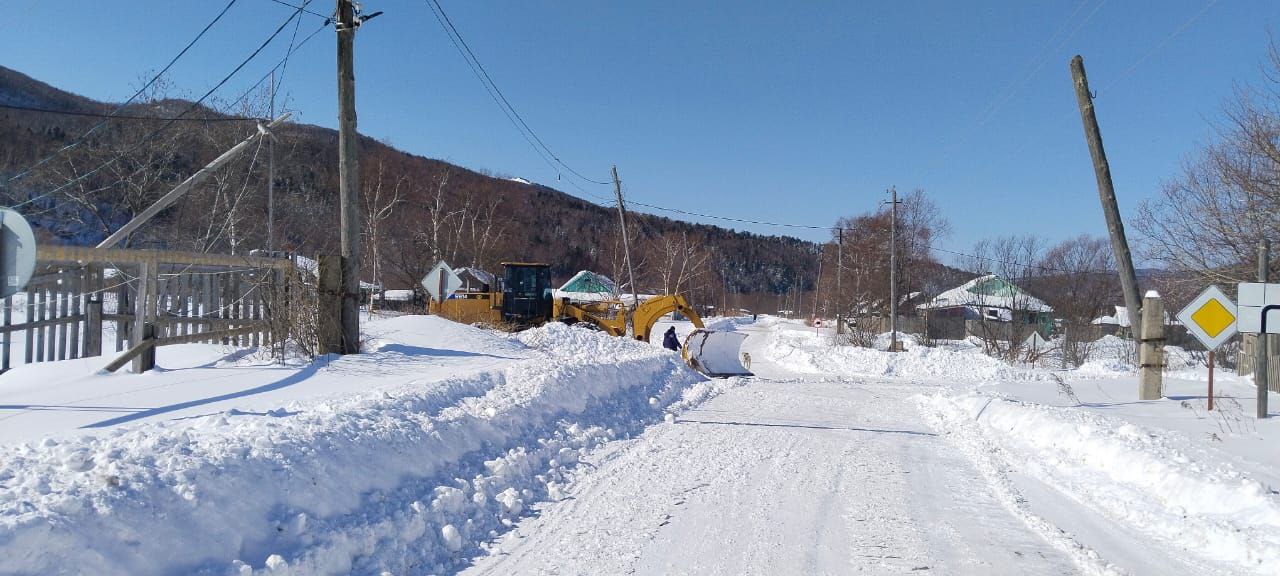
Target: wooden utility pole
1260	368
348	179
894	346
839	277
1107	193
271	171
626	249
187	185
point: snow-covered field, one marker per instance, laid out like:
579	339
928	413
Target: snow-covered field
449	449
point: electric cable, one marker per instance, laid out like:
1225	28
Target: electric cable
499	98
155	78
170	121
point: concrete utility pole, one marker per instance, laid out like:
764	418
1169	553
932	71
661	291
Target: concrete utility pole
839	277
1260	367
348	179
626	248
1151	353
1107	193
894	346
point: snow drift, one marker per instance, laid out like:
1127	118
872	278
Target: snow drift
406	478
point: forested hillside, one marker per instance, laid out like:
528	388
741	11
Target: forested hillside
417	210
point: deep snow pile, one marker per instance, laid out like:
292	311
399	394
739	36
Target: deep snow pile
1111	355
1153	481
403	478
1199	489
810	352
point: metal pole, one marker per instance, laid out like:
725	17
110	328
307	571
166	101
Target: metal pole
626	248
1107	193
1211	380
348	179
1260	369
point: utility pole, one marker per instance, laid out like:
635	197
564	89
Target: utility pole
1107	193
1260	368
348	179
894	346
271	172
817	288
839	277
626	248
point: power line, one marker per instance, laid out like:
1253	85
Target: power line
121	107
1158	47
835	228
117	116
170	121
495	92
1040	62
489	89
304	9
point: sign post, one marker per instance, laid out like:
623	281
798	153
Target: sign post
1212	318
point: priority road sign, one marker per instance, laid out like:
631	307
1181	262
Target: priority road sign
1211	318
1259	308
440	282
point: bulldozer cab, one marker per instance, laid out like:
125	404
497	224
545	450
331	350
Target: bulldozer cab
526	293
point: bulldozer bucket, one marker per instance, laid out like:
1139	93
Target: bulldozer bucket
716	353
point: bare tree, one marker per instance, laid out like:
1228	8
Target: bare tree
1080	282
1209	219
1007	313
379	205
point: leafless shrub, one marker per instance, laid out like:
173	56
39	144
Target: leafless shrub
1064	388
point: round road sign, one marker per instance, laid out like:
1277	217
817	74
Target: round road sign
17	252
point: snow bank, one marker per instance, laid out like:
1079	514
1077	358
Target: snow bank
1149	480
1111	355
404	478
805	351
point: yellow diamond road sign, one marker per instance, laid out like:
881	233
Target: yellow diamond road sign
1211	317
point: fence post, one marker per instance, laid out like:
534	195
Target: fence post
147	359
1151	352
93	327
142	306
329	294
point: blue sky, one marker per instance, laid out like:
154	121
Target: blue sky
791	112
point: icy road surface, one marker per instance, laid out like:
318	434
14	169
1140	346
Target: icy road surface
783	475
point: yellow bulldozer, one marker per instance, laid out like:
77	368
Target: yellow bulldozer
525	300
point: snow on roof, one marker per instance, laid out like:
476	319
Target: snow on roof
990	291
1121	318
310	266
398	295
478	274
520	180
588	282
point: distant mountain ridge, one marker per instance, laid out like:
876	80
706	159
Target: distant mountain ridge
537	222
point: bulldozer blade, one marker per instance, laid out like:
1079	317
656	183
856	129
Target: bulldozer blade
716	353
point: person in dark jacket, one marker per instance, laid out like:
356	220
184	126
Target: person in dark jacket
669	340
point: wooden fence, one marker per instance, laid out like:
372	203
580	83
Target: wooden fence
81	296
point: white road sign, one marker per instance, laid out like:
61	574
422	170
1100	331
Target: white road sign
1259	308
440	282
1211	318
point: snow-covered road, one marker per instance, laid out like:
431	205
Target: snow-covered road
783	475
